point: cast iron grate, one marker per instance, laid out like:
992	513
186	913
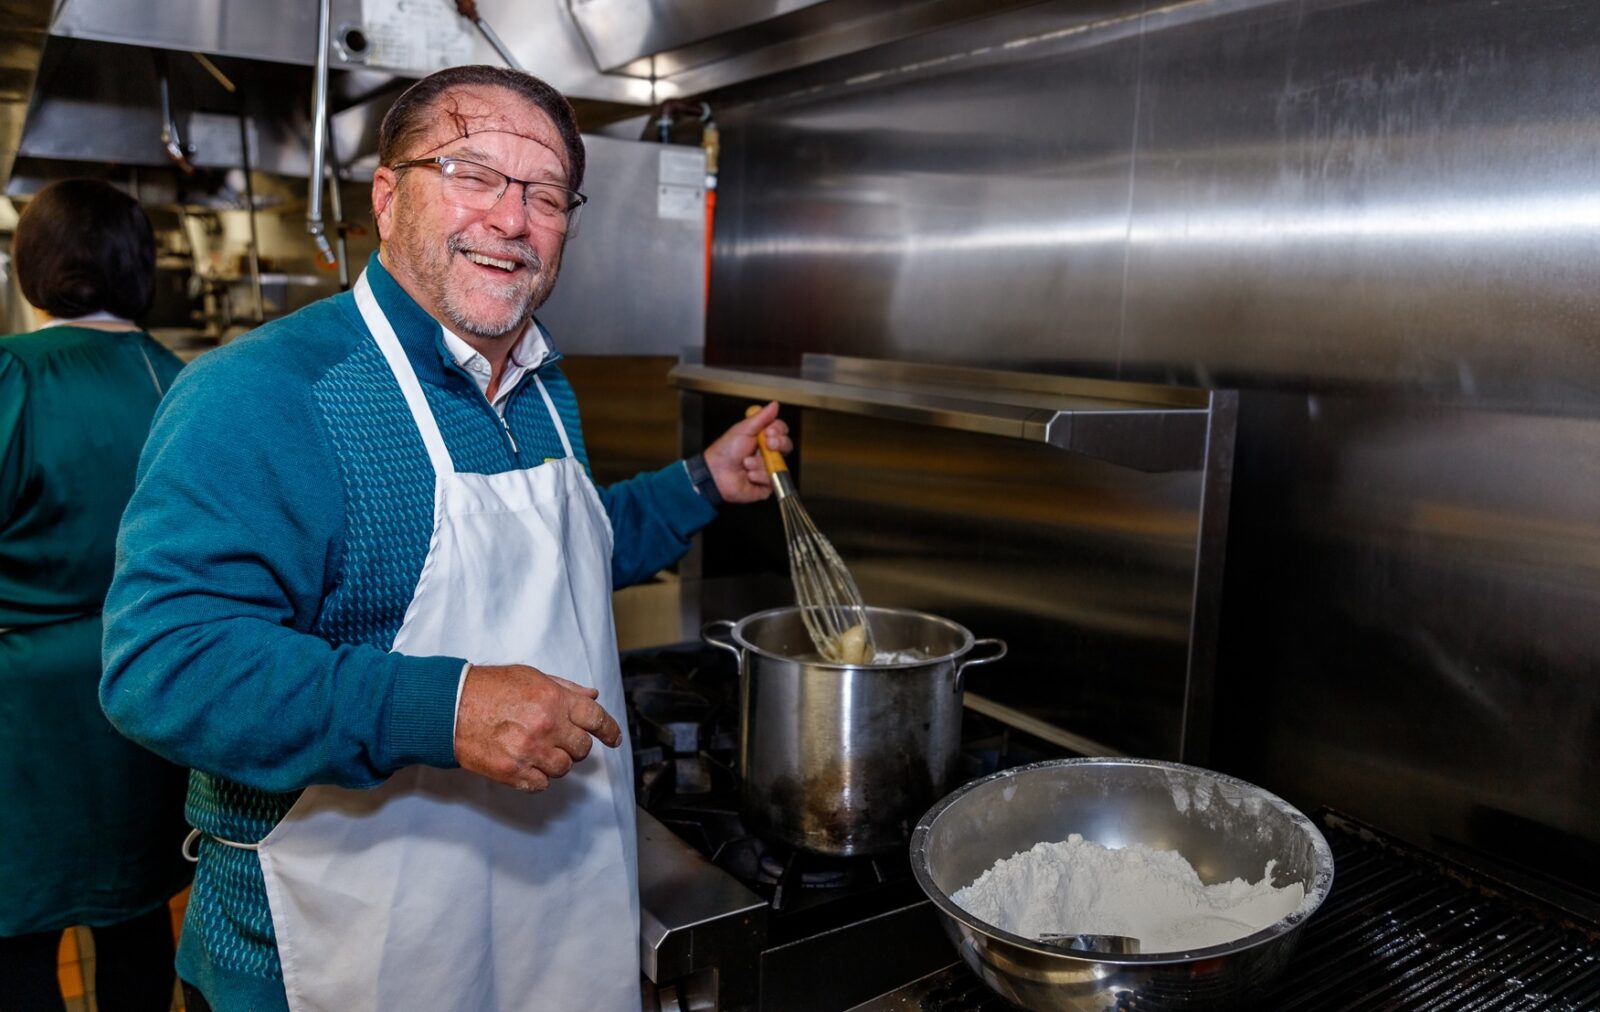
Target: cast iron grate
1404	931
1401	930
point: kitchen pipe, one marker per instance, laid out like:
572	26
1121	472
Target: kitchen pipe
250	216
319	136
336	202
469	10
170	138
249	187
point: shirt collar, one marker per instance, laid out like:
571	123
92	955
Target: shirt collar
528	353
424	339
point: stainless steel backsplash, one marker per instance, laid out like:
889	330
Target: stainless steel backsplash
1380	221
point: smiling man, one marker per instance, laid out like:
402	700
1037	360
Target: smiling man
363	591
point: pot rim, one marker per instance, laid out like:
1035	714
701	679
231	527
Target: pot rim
967	640
1316	890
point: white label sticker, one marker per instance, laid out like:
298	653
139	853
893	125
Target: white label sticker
419	35
682	167
684	202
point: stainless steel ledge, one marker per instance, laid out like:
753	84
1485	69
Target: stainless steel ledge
1043	730
693	915
1147	427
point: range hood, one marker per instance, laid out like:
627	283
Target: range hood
113	81
162	88
691	48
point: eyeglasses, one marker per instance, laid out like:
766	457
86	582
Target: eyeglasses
479	188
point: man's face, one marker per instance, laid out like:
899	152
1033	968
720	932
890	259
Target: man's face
435	248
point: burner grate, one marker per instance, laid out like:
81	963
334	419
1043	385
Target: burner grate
1401	930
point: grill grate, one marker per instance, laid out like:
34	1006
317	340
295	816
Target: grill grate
1399	931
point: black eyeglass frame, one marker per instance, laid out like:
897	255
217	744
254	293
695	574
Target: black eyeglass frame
577	198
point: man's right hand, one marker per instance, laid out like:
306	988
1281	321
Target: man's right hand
523	728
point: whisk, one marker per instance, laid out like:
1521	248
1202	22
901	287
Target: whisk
830	604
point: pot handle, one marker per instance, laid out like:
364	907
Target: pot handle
999	647
725	627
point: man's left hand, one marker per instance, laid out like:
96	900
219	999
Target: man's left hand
734	460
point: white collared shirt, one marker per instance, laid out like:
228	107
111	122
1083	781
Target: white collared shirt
526	355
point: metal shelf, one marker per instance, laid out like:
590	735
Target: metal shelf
1147	427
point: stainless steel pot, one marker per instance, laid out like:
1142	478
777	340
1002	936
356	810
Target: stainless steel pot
1226	828
841	759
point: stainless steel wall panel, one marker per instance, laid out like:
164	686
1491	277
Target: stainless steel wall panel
892	200
1082	567
1377	219
632	280
1407	619
1379	193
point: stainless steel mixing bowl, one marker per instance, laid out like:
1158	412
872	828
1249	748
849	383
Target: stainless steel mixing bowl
1224	827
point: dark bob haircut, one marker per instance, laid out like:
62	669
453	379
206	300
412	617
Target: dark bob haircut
83	246
412	113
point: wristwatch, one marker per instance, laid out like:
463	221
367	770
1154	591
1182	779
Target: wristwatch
700	477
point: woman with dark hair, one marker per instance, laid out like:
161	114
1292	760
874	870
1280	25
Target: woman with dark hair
91	825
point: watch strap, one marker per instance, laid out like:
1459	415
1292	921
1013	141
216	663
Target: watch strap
700	477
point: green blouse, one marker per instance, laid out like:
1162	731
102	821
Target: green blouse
91	825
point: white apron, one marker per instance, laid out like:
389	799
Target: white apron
440	890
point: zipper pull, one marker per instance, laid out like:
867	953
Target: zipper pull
507	427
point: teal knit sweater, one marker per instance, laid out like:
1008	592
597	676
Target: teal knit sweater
281	517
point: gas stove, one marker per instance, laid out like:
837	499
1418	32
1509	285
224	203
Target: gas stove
732	921
781	914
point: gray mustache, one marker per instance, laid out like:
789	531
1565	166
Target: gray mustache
522	253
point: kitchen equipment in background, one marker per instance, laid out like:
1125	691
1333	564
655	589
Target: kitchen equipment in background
1225	827
830	604
841	759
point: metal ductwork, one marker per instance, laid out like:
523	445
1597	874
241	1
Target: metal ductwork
691	48
118	87
100	96
23	24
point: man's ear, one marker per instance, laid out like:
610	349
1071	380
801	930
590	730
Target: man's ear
384	184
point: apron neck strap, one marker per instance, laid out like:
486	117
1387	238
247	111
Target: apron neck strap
555	417
395	355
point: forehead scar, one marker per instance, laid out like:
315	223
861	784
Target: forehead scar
464	130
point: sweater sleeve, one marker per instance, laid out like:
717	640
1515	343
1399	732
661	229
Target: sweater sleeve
653	517
225	554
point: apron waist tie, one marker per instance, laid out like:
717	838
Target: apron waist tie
193	856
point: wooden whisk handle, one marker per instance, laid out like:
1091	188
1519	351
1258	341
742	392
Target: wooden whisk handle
772	458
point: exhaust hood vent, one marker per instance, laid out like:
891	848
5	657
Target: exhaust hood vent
110	83
689	47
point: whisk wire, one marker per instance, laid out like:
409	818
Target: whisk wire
829	600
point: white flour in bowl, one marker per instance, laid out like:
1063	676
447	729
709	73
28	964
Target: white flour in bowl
1077	887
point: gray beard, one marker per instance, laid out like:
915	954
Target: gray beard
514	317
